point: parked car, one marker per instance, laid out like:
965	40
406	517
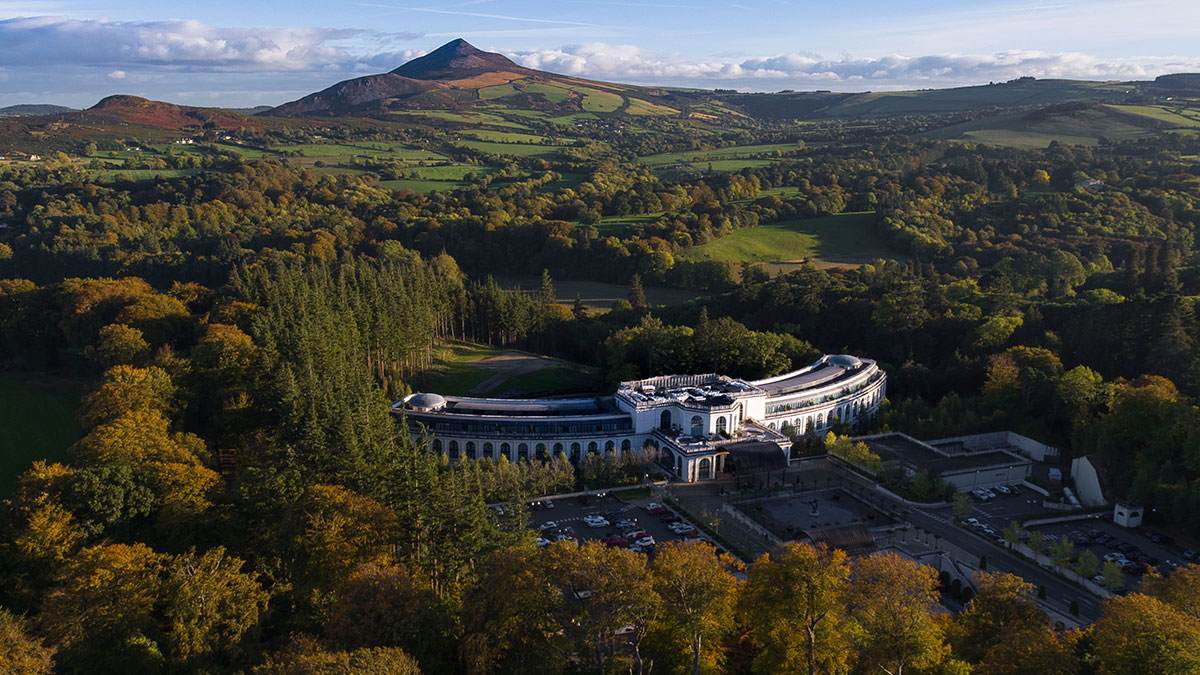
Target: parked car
1003	489
542	542
626	523
645	541
595	521
615	540
654	509
548	525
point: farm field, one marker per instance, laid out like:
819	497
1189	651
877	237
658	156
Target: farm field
465	369
765	152
1179	117
843	240
1025	140
620	225
510	149
37	421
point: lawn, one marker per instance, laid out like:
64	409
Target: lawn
464	369
37	421
843	239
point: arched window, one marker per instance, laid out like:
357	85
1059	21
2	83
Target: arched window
575	449
808	424
453	449
626	446
664	420
771	426
721	426
593	448
487	451
522	451
820	421
558	449
706	469
609	446
470	449
697	426
540	452
506	451
437	445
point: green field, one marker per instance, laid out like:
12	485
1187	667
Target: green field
599	295
638	106
595	100
1178	117
37	421
618	226
464	118
510	149
464	369
552	93
506	137
846	239
699	158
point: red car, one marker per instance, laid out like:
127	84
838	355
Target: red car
615	540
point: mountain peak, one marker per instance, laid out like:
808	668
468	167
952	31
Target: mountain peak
456	59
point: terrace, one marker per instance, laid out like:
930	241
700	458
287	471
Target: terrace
688	391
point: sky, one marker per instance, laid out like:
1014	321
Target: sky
266	52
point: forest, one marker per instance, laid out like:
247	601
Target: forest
242	500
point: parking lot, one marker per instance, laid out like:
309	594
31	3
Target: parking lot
567	518
1137	546
1002	510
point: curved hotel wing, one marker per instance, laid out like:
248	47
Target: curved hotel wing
695	425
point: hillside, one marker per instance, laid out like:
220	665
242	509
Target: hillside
458	75
33	110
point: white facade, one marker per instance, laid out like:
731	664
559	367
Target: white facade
686	421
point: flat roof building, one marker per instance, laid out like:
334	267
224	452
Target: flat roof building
690	423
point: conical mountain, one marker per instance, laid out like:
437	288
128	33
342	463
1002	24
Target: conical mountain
457	59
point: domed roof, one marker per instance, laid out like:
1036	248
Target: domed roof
426	401
845	361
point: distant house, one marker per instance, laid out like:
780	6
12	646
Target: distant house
1091	185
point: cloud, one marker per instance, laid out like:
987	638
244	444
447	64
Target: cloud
43	41
631	63
117	75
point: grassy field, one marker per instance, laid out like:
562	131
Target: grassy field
847	239
511	149
600	296
639	107
1025	140
464	369
595	100
552	93
619	225
699	158
37	421
1175	116
464	118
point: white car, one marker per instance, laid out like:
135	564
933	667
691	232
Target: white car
595	521
680	527
645	542
542	542
972	521
548	525
1003	489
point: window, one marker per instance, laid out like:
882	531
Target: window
470	449
706	471
593	448
721	426
664	420
505	451
558	449
453	449
697	426
522	451
540	452
575	449
626	446
437	445
487	450
609	447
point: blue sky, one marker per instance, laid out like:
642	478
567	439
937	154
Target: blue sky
269	51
